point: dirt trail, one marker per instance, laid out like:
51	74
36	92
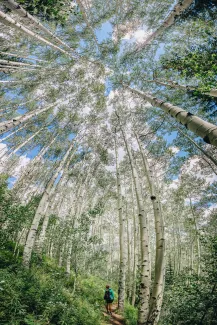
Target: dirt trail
114	319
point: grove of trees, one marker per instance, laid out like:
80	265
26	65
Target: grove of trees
108	161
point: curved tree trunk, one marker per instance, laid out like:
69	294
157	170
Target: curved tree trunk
42	207
169	21
14	6
22	57
7	20
17	64
172	84
144	241
203	129
159	276
7	125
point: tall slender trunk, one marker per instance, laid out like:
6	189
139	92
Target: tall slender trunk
7	20
203	129
197	238
17	64
129	287
7	125
22	57
122	267
41	210
14	6
87	21
144	241
135	257
47	214
169	21
25	142
12	133
31	167
172	84
159	277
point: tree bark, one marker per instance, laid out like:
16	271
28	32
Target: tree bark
203	129
14	6
41	210
7	125
144	241
122	267
169	21
159	276
135	255
172	84
7	20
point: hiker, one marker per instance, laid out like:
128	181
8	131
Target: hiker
109	298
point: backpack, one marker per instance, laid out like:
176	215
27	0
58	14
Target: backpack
108	295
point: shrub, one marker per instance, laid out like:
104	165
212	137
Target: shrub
130	314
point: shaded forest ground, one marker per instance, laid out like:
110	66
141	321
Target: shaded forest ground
45	294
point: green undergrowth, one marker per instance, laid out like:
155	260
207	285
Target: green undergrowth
130	314
44	294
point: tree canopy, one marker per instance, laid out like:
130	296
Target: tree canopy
108	160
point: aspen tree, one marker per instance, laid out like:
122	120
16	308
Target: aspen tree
122	265
25	142
23	57
30	169
205	130
7	20
46	217
159	276
135	254
144	239
7	125
172	84
30	241
14	63
18	9
169	21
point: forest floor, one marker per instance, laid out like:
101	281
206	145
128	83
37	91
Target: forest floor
114	319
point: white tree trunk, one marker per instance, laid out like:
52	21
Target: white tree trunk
14	6
9	63
25	142
144	241
7	20
159	276
169	21
172	84
41	210
22	57
122	265
203	129
135	254
7	125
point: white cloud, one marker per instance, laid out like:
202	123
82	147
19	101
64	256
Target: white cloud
23	162
140	35
174	149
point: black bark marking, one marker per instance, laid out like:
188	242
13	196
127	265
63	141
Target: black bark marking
153	197
206	139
